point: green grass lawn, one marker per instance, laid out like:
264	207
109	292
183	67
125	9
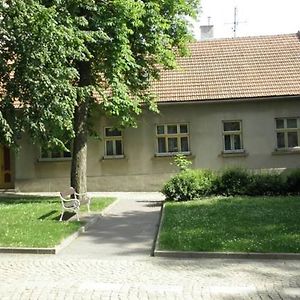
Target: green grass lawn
247	224
33	221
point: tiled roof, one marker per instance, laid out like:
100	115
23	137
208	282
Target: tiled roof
246	67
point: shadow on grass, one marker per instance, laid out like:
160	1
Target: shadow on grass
66	217
50	213
18	199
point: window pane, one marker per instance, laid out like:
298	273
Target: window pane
184	144
172	145
172	129
56	154
280	140
231	126
237	142
66	154
160	129
112	132
119	150
292	139
183	128
227	142
279	123
109	148
44	153
161	145
291	123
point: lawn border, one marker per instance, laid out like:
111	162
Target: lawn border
90	220
224	255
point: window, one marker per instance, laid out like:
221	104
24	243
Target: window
113	142
232	136
55	154
172	138
288	133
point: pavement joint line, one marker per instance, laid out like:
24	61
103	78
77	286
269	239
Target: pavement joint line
226	255
90	220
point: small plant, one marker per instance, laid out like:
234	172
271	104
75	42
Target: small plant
182	163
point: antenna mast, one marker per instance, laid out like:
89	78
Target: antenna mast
235	22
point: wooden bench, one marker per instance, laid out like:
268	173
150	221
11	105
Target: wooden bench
71	201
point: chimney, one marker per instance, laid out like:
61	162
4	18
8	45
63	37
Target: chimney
207	31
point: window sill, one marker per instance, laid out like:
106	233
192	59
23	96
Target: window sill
113	157
241	153
173	154
286	151
58	159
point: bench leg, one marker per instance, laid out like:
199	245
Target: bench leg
61	216
77	215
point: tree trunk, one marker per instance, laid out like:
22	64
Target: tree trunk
79	157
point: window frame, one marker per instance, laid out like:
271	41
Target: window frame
285	130
232	133
113	139
178	135
62	156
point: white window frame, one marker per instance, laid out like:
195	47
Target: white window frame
113	139
285	131
232	133
177	135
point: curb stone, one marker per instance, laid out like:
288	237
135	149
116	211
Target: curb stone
157	235
230	255
90	220
157	231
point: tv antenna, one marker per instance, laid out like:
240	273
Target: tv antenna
236	22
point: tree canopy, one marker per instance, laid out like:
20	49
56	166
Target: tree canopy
58	54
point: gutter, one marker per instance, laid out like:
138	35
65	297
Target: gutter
231	100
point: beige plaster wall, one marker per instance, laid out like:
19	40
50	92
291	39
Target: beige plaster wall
140	170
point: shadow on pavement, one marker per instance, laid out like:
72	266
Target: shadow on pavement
120	233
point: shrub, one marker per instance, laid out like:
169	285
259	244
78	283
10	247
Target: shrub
192	184
188	185
293	182
182	162
232	181
206	182
269	184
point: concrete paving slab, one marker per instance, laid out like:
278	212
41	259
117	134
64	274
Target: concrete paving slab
127	229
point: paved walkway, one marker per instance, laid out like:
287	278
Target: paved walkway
113	264
127	230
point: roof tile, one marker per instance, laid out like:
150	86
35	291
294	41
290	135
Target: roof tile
247	67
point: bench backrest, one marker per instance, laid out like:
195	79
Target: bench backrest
70	191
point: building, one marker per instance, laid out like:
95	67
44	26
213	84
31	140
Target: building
231	102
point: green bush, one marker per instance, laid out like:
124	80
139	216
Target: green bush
293	182
232	181
182	162
192	184
189	184
269	184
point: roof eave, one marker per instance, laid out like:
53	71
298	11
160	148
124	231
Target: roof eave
229	100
